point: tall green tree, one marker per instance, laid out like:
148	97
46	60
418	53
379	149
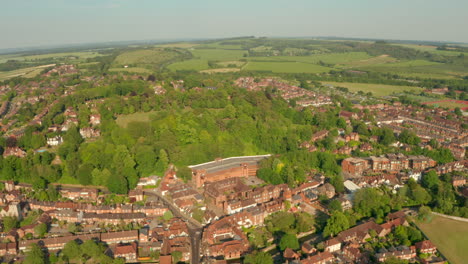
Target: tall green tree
335	224
35	255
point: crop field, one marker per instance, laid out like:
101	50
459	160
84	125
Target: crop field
124	120
451	104
218	45
331	58
217	54
227	63
420	68
131	69
189	65
375	89
220	70
382	59
285	67
26	72
431	49
145	56
182	45
450	237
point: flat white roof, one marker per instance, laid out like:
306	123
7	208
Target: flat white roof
351	186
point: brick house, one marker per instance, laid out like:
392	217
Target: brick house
127	252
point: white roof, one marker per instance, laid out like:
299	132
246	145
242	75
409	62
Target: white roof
351	186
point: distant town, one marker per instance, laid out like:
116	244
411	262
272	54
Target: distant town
155	166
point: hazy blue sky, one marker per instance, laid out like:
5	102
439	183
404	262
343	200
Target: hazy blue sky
49	22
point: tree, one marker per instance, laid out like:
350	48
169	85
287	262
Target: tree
84	174
163	161
40	230
9	222
430	180
289	241
176	256
72	250
387	137
335	224
168	215
35	255
335	205
258	258
91	249
458	111
184	173
304	222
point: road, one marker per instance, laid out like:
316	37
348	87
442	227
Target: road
195	228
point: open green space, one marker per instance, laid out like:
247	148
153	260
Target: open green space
375	89
419	68
285	67
431	49
145	57
124	120
189	65
62	55
450	237
25	72
131	69
330	58
218	54
447	104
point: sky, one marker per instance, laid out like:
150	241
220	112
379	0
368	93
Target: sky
32	23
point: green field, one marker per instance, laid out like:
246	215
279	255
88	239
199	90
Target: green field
448	104
432	49
375	89
25	72
450	237
285	67
217	54
330	58
77	55
124	120
131	70
145	57
419	68
189	65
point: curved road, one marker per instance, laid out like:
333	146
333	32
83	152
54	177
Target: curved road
195	228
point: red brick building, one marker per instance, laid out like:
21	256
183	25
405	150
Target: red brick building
222	169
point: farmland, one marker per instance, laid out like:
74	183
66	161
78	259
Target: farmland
285	67
63	55
375	89
146	58
26	72
131	69
193	65
451	104
440	229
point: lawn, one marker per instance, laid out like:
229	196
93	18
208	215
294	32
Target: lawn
285	67
375	89
450	236
189	65
124	120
